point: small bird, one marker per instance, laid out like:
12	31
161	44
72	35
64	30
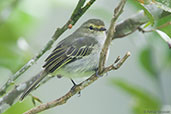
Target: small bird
75	56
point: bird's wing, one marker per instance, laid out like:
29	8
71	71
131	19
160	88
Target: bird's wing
67	53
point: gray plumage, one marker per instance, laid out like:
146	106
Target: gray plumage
77	55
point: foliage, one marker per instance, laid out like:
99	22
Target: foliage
140	6
147	62
14	28
164	4
143	100
18	24
19	108
162	21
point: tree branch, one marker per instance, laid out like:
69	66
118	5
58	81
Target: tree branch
8	100
122	29
77	13
94	77
76	89
131	24
110	34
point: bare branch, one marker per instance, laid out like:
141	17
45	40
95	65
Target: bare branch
75	90
119	63
152	30
94	77
118	10
131	24
7	100
123	28
78	12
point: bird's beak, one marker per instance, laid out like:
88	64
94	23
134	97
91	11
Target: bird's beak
102	29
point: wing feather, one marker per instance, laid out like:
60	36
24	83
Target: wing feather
55	52
60	64
54	57
64	54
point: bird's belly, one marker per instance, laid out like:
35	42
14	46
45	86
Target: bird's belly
81	67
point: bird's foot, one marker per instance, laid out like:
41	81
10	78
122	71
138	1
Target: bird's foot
74	86
97	74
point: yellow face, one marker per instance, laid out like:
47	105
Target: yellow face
94	27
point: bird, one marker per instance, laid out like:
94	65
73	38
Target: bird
75	56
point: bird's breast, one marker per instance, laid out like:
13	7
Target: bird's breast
82	67
86	65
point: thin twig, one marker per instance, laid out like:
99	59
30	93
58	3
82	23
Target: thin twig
152	30
94	77
9	99
123	28
118	10
75	90
119	63
74	18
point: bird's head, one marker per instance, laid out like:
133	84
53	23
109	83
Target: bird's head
92	27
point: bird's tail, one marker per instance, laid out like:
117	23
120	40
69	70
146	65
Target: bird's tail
40	76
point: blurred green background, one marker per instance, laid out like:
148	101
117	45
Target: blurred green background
141	84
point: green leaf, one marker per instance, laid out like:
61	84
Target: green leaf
146	61
142	99
146	2
165	21
138	5
148	14
163	4
147	24
165	37
11	56
135	4
20	108
167	60
34	99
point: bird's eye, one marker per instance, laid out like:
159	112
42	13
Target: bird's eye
91	27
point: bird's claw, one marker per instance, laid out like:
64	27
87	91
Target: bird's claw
74	86
97	74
